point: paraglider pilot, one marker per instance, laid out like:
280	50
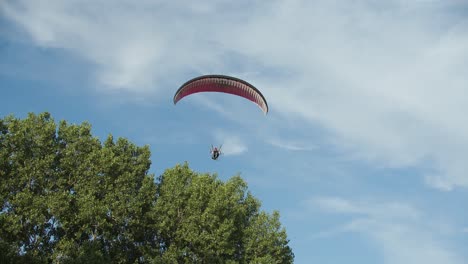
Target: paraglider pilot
215	152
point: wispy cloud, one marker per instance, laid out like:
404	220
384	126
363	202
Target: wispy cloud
387	79
231	144
383	79
337	205
402	233
132	46
291	145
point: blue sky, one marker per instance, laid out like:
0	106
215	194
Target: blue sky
364	151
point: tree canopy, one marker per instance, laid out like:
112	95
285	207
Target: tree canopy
67	197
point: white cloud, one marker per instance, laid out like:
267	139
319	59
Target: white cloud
231	144
387	79
386	211
401	232
388	82
291	145
133	46
336	205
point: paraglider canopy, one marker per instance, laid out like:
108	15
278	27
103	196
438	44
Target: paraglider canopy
222	84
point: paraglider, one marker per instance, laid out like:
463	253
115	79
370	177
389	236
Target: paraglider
215	152
221	84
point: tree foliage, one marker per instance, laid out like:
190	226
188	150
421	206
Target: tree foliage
68	198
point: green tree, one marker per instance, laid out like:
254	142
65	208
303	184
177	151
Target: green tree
201	219
68	198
